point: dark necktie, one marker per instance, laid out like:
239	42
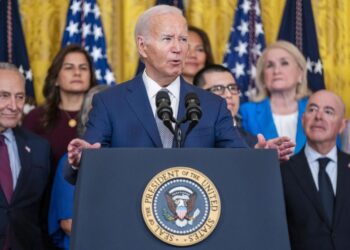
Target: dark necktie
325	189
5	170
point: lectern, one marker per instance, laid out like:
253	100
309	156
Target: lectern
111	184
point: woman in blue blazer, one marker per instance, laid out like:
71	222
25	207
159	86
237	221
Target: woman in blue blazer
281	96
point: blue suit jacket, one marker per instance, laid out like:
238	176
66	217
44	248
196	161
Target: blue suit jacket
122	117
257	118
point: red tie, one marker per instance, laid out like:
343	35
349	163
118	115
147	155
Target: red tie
5	170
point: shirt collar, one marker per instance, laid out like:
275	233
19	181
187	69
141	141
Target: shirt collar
153	87
9	135
313	155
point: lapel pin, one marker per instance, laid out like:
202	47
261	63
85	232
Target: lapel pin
28	149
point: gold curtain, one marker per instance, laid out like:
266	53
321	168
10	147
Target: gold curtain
44	20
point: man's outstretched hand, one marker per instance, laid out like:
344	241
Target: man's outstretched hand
75	147
283	145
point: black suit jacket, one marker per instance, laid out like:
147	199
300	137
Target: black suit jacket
24	215
307	226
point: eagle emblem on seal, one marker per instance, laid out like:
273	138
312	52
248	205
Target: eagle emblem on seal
181	203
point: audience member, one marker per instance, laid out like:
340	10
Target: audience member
69	77
124	115
220	81
317	180
61	204
24	170
199	53
281	94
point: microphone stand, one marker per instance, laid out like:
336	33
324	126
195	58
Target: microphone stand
178	135
178	132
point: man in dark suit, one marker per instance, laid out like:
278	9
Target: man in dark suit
317	180
220	81
124	115
24	169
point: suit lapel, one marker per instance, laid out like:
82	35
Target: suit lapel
343	185
24	156
265	119
139	103
304	177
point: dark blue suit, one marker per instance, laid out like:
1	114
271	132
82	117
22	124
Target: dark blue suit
122	117
26	213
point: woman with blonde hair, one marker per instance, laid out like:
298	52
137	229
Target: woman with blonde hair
280	100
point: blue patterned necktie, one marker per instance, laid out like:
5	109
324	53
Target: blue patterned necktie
325	189
165	134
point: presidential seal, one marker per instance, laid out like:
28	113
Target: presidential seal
181	206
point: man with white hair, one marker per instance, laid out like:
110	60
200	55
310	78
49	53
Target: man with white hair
24	170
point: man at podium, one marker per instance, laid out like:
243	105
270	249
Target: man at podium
126	115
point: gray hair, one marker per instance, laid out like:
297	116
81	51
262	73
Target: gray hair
12	67
143	23
86	107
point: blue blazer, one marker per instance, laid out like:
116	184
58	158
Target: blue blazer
61	207
122	117
257	118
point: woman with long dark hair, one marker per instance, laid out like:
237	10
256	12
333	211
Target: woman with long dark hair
69	77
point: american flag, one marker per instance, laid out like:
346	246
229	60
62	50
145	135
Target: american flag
84	27
298	27
12	43
245	45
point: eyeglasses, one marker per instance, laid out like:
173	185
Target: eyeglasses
220	89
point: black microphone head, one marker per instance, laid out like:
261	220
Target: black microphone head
163	104
162	96
191	98
193	109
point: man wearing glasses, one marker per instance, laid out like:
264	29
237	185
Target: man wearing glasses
219	80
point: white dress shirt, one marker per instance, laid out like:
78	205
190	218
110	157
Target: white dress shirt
331	169
153	88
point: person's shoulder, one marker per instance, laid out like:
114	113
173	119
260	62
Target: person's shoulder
30	137
344	155
254	105
294	160
303	101
120	88
34	115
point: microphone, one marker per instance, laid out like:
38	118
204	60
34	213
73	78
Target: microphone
164	111
163	104
193	109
